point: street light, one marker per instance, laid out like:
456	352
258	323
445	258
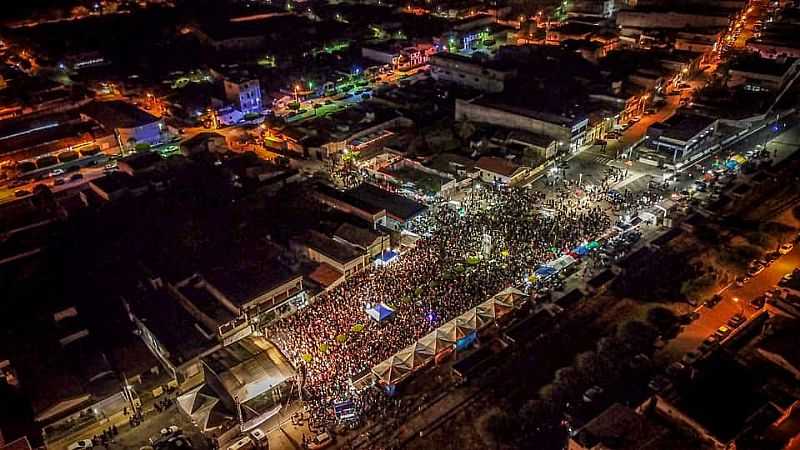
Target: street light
741	305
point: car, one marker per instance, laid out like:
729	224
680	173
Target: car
709	343
56	172
76	177
21	193
83	443
722	332
675	369
592	394
649	111
690	317
320	441
691	357
59	181
713	301
736	321
786	248
758	302
328	102
659	383
756	270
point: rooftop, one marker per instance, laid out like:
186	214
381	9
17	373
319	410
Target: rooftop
759	65
620	428
709	400
497	165
325	275
339	252
398	206
177	332
249	275
359	236
118	114
248	367
683	126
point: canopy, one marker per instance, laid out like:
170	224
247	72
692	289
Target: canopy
460	332
511	296
562	263
581	251
380	312
545	271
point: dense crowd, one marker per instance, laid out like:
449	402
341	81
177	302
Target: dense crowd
512	231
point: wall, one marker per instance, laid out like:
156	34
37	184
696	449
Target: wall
674	20
478	113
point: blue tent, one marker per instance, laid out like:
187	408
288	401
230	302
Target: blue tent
387	256
581	251
380	312
545	271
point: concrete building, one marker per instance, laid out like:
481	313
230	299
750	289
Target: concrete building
659	18
370	242
569	130
244	93
757	73
681	135
483	76
341	256
129	124
500	171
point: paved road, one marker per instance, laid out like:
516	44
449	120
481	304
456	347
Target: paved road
734	300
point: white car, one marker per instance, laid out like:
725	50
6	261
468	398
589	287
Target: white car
786	248
83	443
56	172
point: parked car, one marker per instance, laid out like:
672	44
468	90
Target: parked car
722	332
59	181
689	317
320	441
691	357
709	343
736	321
592	394
659	383
83	443
76	177
676	369
756	270
713	301
758	302
21	193
56	172
786	248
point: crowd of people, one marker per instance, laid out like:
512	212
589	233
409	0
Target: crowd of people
511	232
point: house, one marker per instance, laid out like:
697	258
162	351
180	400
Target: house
244	93
140	163
204	142
370	242
343	257
681	135
567	127
622	428
779	347
483	76
500	171
129	124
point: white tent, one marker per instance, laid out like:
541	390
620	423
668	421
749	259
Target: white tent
512	297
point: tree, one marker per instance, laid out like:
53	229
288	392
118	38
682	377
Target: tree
539	414
503	427
637	336
663	319
780	231
588	365
570	381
